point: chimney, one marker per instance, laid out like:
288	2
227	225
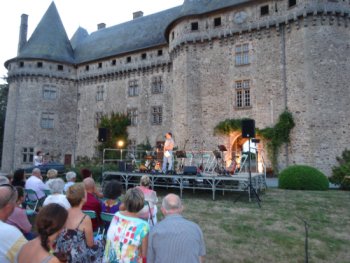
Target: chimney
22	32
137	14
101	26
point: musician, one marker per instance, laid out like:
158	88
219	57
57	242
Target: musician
168	152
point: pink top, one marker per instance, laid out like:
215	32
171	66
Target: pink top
151	198
19	219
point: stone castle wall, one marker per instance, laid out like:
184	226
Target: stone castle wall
297	60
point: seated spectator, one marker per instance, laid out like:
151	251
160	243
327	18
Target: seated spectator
19	218
49	223
92	203
111	191
50	175
35	182
11	239
149	211
76	240
4	180
70	177
129	245
56	187
19	178
86	173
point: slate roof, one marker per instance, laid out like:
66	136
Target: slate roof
49	41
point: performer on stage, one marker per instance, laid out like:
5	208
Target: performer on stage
168	152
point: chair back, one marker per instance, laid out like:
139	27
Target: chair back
90	213
31	203
47	192
106	217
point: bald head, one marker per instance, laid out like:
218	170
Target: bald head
172	204
36	172
8	198
89	184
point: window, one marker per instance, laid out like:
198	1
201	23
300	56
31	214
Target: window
242	54
292	3
157	85
49	92
160	52
39	64
87	68
98	117
27	154
264	10
132	115
133	88
143	56
114	62
242	94
217	21
99	93
194	26
21	64
100	65
157	115
47	120
60	67
128	59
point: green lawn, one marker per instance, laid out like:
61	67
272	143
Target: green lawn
243	232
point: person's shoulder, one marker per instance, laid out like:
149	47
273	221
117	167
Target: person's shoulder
7	228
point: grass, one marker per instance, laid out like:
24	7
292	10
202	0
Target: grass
242	232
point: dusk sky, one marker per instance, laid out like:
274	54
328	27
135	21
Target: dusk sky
73	13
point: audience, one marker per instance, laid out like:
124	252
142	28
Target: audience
111	191
175	239
50	175
149	211
86	173
4	180
56	187
127	235
92	203
35	182
19	178
19	218
70	177
76	240
11	239
49	223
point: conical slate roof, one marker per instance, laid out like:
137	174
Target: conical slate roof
49	40
78	37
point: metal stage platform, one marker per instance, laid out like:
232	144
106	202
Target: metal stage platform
233	183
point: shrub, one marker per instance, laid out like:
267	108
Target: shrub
339	172
302	177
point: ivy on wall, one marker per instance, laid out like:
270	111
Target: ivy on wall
275	136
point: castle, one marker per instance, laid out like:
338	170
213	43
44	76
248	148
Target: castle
184	70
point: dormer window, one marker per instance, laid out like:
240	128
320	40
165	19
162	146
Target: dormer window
39	64
143	56
60	67
114	62
128	59
21	64
87	67
100	65
160	52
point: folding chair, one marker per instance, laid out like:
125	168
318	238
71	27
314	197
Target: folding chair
106	219
47	192
32	204
92	215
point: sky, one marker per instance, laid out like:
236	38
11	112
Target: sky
73	13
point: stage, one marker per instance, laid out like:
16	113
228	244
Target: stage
231	183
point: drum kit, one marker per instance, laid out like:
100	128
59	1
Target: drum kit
151	163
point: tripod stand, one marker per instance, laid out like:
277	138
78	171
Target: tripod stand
251	189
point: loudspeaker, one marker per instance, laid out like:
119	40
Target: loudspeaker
248	128
190	170
102	134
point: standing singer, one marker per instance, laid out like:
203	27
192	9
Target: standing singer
168	152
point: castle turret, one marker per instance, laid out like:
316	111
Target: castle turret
23	32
